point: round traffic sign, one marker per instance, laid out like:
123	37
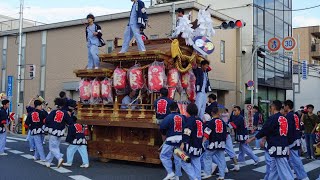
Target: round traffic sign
250	83
274	44
288	43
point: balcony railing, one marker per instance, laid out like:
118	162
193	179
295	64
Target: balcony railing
315	51
315	31
13	24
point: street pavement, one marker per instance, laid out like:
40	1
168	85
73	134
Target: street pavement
19	164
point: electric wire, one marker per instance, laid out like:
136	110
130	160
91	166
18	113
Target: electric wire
301	9
255	5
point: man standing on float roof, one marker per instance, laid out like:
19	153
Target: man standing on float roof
93	36
138	19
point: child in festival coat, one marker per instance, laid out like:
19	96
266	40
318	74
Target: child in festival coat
78	142
55	125
216	132
192	139
35	122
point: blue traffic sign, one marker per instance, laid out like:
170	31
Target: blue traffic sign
10	91
304	70
250	83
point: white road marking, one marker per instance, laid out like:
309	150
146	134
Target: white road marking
61	170
7	148
254	151
42	163
262	169
15	152
312	165
9	141
28	156
79	177
251	161
15	138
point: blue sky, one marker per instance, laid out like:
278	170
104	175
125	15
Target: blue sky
118	4
49	11
308	17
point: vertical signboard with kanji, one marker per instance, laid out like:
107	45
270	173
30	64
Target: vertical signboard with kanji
248	116
304	70
9	91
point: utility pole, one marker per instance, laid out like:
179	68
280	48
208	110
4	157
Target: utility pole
174	20
254	76
19	59
299	77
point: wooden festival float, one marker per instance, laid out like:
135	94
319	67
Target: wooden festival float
133	134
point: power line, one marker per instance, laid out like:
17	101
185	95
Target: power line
302	9
283	58
279	70
235	7
255	5
287	60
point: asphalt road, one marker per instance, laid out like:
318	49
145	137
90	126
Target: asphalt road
20	165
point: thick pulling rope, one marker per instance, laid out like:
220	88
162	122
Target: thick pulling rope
176	52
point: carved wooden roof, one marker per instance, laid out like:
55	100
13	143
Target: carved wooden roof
157	49
84	73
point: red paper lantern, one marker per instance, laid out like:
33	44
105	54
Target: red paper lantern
85	90
185	79
119	79
156	76
191	89
171	92
106	88
95	88
173	77
136	78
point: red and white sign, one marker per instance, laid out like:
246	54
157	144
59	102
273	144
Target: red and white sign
288	43
11	116
248	116
274	44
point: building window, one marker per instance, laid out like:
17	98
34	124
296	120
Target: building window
109	46
313	47
222	51
155	36
4	64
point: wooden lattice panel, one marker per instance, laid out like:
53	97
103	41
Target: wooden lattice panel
122	143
